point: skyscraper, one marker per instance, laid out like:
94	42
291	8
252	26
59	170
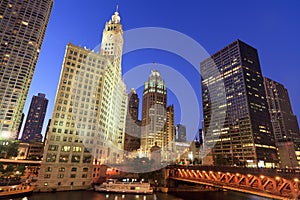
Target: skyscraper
88	121
180	133
244	137
35	119
22	29
154	112
133	125
284	122
169	141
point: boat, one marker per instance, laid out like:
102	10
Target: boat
15	190
115	186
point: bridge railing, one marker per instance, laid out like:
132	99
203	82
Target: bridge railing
285	173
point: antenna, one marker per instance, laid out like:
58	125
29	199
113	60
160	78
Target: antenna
117	8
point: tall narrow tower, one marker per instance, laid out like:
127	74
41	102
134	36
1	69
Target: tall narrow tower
112	38
22	27
35	119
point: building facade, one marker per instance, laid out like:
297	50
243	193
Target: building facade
180	133
154	113
157	118
133	125
22	29
233	89
284	122
169	141
35	119
88	121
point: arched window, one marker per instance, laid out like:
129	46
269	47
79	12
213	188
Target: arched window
74	169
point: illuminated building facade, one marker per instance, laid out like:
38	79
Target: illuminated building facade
244	137
22	29
169	141
154	114
88	120
284	122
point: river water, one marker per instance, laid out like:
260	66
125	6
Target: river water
91	195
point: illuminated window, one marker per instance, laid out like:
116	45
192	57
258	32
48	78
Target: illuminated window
60	176
61	169
76	149
65	148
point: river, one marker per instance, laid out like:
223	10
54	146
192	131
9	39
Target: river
91	195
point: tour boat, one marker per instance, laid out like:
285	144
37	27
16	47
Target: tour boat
15	190
115	186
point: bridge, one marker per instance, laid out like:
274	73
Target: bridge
270	183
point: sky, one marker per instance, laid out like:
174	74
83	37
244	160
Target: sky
272	27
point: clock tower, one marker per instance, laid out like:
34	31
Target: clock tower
112	40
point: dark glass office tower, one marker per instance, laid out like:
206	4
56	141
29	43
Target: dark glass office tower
35	119
22	29
132	140
180	133
237	122
284	122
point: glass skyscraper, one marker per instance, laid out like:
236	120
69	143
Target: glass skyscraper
237	123
284	122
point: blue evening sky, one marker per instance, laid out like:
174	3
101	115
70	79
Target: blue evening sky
270	26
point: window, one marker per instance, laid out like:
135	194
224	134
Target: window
85	169
76	149
59	183
62	169
75	159
47	176
63	158
48	169
50	158
87	159
60	176
74	169
65	148
84	175
73	175
53	147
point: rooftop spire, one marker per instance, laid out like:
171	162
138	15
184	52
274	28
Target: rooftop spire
115	19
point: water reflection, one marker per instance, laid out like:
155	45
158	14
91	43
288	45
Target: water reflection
90	195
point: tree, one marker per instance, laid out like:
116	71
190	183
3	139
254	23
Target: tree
13	149
10	168
1	167
21	168
9	148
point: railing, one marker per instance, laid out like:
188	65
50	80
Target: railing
270	183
